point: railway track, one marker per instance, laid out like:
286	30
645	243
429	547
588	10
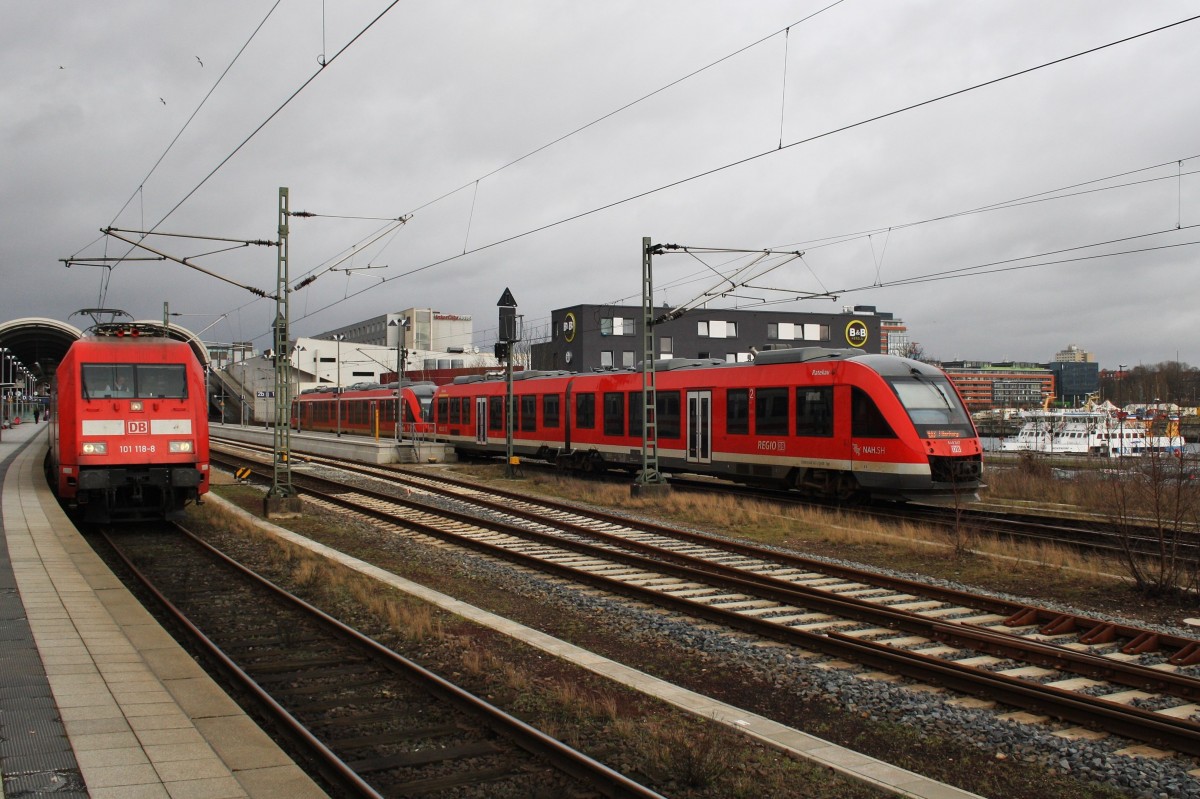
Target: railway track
375	723
1137	683
1094	535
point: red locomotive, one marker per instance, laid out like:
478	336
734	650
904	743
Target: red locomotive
836	424
364	410
128	425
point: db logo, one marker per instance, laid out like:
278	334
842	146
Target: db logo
139	427
856	333
568	327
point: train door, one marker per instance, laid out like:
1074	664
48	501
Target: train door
699	427
481	420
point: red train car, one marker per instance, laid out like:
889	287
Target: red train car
366	410
128	425
831	423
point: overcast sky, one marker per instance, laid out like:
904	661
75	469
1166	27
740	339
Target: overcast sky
415	117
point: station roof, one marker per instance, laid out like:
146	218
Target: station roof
41	343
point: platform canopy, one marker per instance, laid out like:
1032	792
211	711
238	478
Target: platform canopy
40	344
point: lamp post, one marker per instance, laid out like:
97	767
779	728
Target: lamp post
6	392
338	338
4	357
401	326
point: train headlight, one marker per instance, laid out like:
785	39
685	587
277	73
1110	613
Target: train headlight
181	446
135	406
95	448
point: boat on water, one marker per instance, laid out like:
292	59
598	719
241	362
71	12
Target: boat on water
1099	432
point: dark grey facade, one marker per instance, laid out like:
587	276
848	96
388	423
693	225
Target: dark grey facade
1073	382
586	338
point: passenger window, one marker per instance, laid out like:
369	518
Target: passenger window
550	410
737	411
814	411
495	413
585	411
771	412
866	420
667	404
614	414
635	414
529	413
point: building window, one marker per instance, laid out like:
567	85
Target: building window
702	329
616	326
716	329
787	331
606	359
665	347
731	330
627	359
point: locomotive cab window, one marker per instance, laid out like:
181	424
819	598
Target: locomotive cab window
933	406
142	380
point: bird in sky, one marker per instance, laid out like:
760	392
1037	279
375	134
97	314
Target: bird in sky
161	100
198	59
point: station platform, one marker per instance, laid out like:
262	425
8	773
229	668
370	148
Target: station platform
363	449
96	699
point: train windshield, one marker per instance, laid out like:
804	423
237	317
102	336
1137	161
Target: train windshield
933	406
136	380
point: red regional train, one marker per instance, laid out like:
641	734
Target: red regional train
836	424
128	425
365	409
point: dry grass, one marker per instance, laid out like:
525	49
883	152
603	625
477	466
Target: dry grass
775	524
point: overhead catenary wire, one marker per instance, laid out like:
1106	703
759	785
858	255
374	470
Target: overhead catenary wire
753	157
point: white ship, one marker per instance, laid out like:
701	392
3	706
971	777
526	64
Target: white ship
1102	433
